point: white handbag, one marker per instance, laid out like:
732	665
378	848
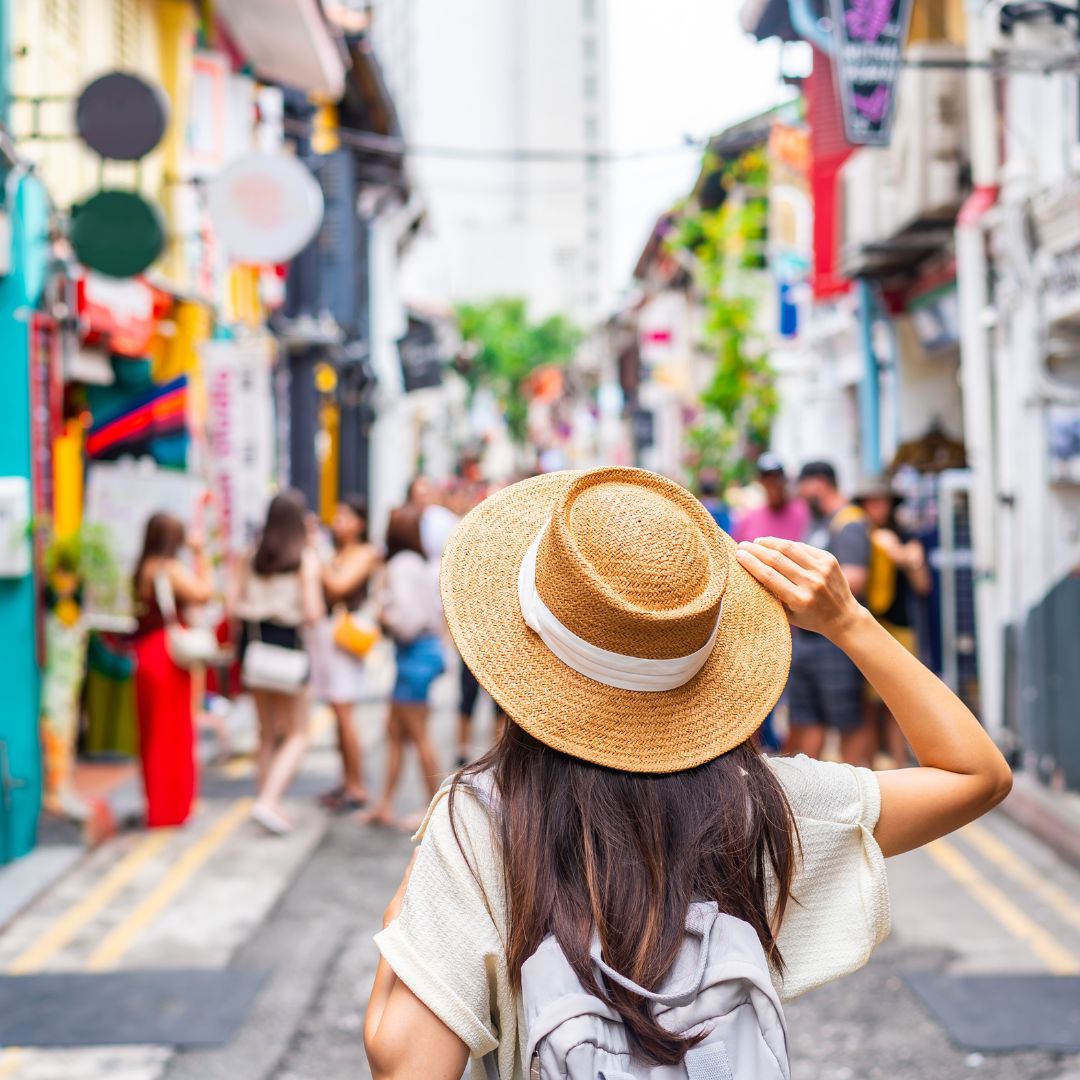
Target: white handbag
189	646
271	667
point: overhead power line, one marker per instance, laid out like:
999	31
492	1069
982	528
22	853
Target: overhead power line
394	147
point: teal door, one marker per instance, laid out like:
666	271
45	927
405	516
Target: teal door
20	754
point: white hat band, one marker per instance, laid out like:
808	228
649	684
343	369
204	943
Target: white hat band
609	668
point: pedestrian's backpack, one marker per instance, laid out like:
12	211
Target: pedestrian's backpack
719	984
881	572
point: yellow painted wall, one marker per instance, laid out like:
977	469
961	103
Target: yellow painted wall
68	481
937	20
58	47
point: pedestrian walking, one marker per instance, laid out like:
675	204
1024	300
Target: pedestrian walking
337	657
825	688
898	577
279	594
412	616
626	822
784	516
163	689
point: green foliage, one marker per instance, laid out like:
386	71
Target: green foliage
507	349
728	245
88	554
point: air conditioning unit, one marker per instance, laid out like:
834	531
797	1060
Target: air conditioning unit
918	182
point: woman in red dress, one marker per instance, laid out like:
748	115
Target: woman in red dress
162	689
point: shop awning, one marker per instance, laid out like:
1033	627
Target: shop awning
287	42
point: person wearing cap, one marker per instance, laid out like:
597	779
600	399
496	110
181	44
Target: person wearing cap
826	688
781	515
898	576
636	648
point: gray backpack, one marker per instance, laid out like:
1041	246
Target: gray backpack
719	984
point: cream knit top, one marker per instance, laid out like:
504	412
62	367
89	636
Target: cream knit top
447	945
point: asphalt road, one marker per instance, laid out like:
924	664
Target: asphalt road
987	901
866	1025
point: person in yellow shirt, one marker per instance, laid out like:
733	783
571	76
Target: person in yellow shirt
898	575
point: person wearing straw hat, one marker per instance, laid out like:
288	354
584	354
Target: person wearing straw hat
636	648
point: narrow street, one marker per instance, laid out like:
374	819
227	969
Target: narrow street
221	894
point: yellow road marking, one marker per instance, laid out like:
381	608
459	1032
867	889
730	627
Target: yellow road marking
62	932
239	768
1023	873
1052	953
109	953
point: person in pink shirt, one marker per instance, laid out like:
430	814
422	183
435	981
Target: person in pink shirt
781	516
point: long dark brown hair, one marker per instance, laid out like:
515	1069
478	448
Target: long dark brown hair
284	535
163	539
403	531
358	505
585	846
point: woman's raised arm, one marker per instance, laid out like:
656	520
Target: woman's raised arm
339	582
961	772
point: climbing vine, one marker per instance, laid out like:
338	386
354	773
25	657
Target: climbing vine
728	248
504	349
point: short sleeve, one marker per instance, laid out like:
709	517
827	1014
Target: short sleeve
839	907
445	946
851	545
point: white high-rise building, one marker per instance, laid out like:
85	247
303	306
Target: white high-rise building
504	105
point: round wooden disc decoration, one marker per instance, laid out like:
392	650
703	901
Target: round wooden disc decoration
121	117
265	208
118	233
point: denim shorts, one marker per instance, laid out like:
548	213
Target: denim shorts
419	664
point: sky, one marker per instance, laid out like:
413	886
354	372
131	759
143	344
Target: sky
676	68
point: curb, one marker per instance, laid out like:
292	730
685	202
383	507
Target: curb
1047	814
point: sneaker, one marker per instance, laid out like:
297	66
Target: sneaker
271	820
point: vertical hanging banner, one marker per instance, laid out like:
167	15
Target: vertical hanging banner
240	434
869	36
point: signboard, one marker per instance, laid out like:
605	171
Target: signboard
869	36
265	208
240	435
121	117
421	357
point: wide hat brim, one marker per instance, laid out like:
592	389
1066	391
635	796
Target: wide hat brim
636	731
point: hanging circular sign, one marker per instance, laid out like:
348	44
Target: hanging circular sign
117	233
121	117
265	209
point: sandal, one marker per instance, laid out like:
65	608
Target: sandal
330	799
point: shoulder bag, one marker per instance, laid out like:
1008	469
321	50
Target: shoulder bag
274	668
189	646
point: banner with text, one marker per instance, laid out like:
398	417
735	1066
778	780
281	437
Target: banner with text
869	36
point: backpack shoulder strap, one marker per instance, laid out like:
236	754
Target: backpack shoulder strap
846	515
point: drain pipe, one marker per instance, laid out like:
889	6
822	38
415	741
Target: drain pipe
976	362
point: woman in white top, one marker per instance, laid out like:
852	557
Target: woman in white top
412	616
338	676
636	654
280	593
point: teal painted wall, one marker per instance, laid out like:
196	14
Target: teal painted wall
20	750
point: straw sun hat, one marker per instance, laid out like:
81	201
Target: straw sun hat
606	613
